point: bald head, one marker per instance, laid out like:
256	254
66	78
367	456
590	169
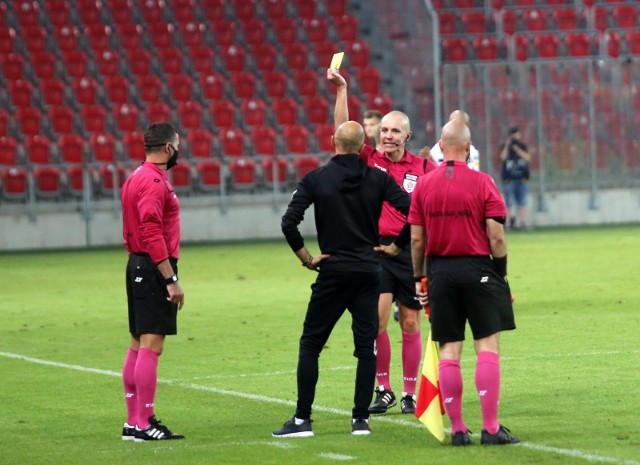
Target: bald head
397	118
349	138
455	140
459	115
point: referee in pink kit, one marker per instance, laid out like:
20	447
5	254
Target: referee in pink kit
458	216
151	231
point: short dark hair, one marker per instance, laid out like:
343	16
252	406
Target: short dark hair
372	114
158	134
514	129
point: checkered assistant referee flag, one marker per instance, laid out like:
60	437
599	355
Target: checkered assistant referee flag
429	407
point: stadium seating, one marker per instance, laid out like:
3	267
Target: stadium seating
281	167
285	110
189	115
14	183
102	147
133	143
180	177
232	142
264	141
209	175
29	119
222	113
200	143
296	139
254	112
243	174
47	182
71	147
94	118
8	151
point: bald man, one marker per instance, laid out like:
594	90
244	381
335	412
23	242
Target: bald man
435	153
347	196
457	223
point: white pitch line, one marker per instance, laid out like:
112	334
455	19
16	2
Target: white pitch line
250	375
342	412
329	455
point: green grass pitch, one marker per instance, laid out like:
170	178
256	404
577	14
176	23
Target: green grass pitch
570	378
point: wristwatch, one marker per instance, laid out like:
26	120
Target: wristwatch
171	280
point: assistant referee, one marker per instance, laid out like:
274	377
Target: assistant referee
457	217
151	231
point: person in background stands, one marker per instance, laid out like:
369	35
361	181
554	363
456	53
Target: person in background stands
515	158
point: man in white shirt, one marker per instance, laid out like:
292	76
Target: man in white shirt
473	161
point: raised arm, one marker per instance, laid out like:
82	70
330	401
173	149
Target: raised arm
341	110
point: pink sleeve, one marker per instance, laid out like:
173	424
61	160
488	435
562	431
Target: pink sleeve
151	208
416	210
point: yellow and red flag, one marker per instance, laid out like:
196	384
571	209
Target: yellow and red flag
429	406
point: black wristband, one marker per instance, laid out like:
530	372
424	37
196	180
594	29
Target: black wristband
501	265
308	262
171	280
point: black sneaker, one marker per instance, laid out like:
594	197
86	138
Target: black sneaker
501	437
360	427
384	401
155	432
128	432
291	430
461	438
408	403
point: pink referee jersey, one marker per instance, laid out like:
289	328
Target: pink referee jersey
150	214
452	203
406	172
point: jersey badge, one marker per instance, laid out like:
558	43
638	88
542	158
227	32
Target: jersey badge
409	182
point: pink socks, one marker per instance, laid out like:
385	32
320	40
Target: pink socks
131	398
383	360
146	379
450	379
488	385
411	355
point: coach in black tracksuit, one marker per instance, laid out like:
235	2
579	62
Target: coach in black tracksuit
347	196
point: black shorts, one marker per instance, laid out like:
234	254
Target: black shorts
467	288
397	277
149	310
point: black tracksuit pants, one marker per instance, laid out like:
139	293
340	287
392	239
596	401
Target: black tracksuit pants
332	294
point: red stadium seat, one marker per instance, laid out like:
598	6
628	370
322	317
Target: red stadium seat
447	23
47	63
511	102
609	44
213	9
485	47
200	143
232	142
171	60
625	16
233	57
315	28
222	113
358	54
14	183
94	118
107	62
116	89
7	39
47	182
90	11
255	31
381	102
110	175
336	8
139	61
20	92
286	30
280	166
243	174
296	55
99	36
75	180
208	175
347	27
133	143
27	12
189	115
161	34
573	100
304	8
183	10
28	119
578	44
244	9
157	111
632	39
275	9
85	90
323	133
103	147
4	122
474	22
76	63
254	111
368	80
535	19
264	140
62	119
305	164
316	109
8	150
225	32
285	110
296	139
121	11
212	86
265	57
12	67
130	36
243	84
509	21
603	97
306	82
126	117
566	19
547	45
193	33
58	12
35	38
202	59
71	148
275	83
354	104
149	88
455	49
521	47
180	87
323	52
180	177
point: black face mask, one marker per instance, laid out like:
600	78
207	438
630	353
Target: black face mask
173	161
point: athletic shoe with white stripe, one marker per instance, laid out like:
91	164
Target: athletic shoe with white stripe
360	427
128	432
385	399
155	432
291	429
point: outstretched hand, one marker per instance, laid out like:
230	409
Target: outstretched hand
336	78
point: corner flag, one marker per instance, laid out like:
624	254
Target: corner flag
429	407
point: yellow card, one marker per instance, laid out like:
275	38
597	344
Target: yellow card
336	61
